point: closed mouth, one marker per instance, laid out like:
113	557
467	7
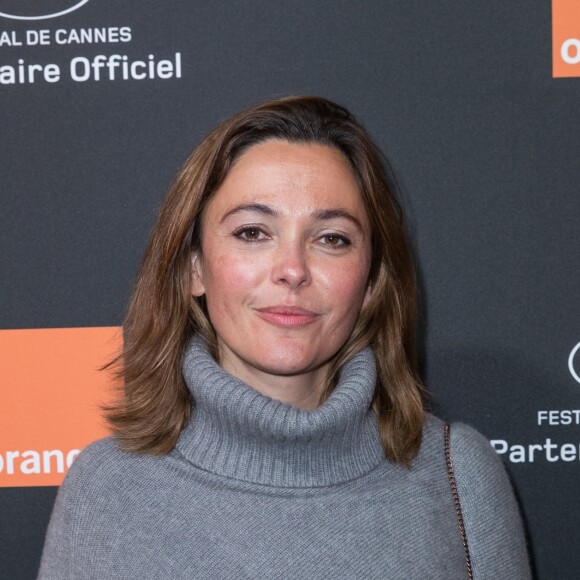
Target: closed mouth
287	316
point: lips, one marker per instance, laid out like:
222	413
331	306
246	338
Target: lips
287	316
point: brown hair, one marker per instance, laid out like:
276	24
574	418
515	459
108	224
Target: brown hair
163	314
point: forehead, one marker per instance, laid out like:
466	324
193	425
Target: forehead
285	174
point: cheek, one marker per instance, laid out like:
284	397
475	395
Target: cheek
346	286
228	277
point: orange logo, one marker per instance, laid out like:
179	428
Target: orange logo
566	38
51	392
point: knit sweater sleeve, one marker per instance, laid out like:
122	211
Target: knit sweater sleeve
65	529
55	562
494	529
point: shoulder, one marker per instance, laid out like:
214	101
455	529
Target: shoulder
82	472
108	460
95	452
100	454
105	478
99	468
472	453
482	481
96	466
103	481
493	525
481	477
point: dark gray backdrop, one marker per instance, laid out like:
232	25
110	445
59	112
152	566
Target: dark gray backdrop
484	143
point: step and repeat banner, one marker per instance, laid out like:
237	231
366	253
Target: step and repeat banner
477	107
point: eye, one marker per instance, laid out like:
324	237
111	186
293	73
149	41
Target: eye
250	234
335	240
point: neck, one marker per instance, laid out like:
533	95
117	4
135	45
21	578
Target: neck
238	432
301	390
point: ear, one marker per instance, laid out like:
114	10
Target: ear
197	286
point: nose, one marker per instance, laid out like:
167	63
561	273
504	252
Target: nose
290	265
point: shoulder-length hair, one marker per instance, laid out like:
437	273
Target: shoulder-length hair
163	314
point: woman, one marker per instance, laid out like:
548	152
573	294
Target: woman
272	423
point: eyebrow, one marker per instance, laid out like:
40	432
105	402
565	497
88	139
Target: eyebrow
330	214
256	207
321	214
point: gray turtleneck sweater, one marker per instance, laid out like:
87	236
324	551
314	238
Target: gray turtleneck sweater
257	488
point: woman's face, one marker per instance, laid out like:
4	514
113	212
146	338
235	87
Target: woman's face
284	264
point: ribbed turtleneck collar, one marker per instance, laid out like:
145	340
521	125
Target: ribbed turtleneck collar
237	432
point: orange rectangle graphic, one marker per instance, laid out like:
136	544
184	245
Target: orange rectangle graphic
566	38
51	393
